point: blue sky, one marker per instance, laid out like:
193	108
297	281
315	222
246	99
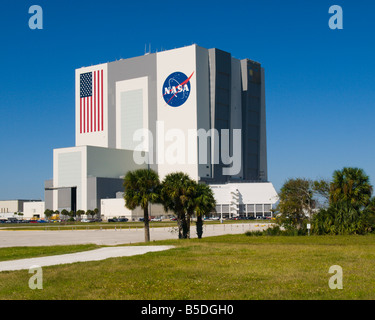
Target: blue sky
320	95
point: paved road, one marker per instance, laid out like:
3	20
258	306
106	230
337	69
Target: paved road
111	236
92	255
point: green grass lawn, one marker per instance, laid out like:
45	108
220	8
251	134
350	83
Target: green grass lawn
34	252
223	267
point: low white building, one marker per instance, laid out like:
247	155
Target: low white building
232	200
115	208
33	209
12	208
244	199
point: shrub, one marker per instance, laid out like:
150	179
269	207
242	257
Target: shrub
254	233
276	231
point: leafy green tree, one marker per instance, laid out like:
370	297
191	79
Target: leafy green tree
321	190
96	211
48	213
142	188
177	191
296	203
90	213
65	213
71	215
80	213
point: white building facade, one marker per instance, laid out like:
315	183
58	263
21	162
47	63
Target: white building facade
244	199
190	109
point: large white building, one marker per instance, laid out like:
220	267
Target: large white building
191	109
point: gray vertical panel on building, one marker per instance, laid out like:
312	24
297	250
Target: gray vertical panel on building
143	66
236	108
220	68
263	133
48	194
251	98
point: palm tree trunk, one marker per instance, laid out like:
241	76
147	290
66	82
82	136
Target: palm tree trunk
147	224
199	226
180	226
185	226
188	218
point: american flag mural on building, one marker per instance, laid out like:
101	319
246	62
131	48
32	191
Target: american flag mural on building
91	101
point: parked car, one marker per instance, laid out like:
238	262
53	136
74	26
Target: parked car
85	220
173	219
156	219
112	220
142	219
122	220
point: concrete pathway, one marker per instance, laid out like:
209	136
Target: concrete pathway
113	237
92	255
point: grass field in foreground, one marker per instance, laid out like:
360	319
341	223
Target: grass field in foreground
223	267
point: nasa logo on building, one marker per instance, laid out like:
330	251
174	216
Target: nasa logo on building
176	89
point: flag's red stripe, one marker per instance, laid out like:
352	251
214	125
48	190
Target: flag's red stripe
102	102
84	115
97	93
91	114
94	94
98	97
87	115
80	115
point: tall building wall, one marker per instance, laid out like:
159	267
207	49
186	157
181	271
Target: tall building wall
220	77
116	99
226	94
253	117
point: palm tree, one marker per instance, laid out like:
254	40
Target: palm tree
141	189
96	211
177	190
80	213
48	213
350	185
204	203
65	213
350	198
